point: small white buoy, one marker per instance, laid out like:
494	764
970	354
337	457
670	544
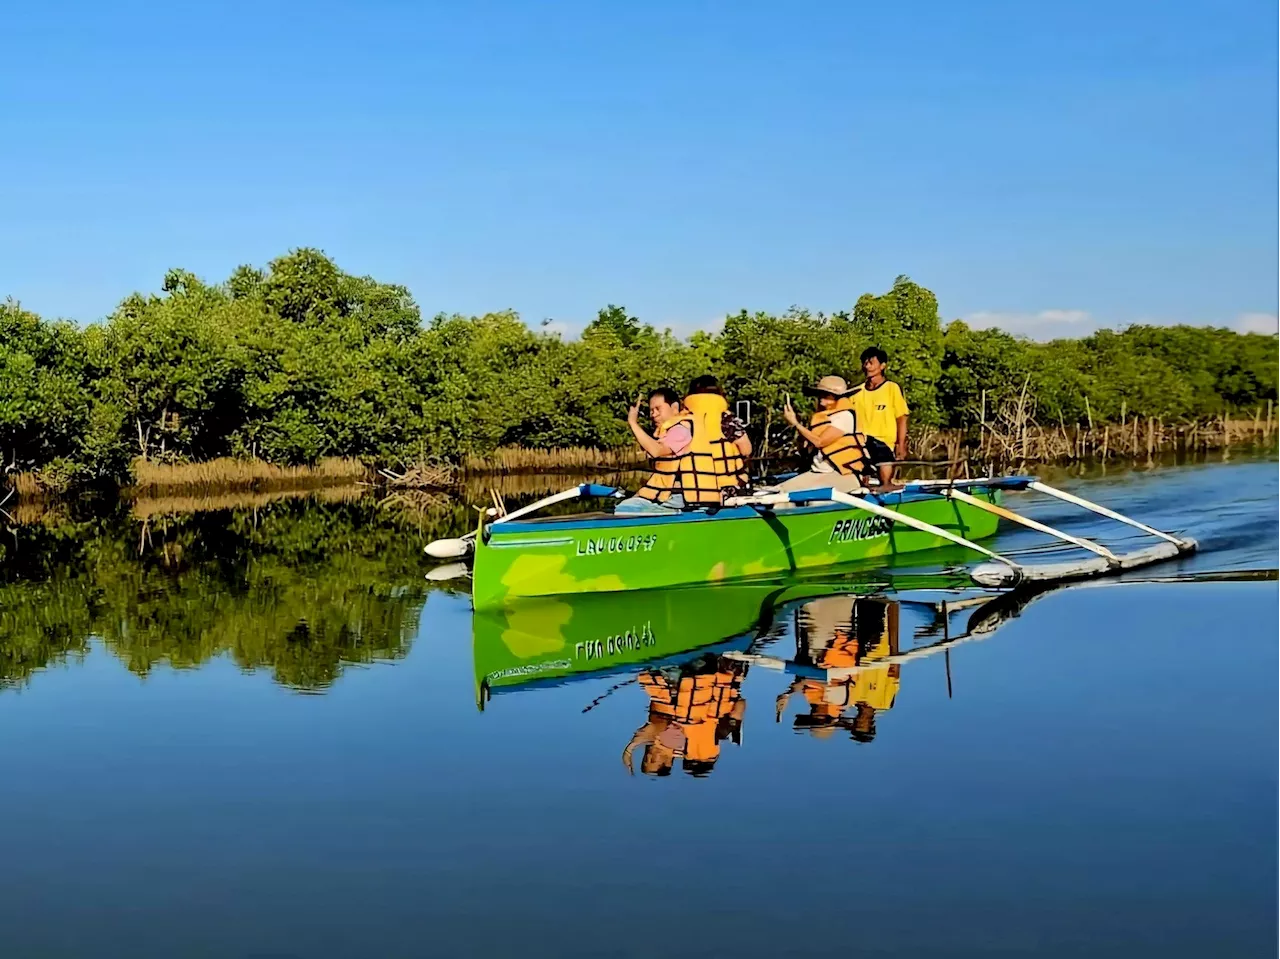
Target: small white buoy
448	548
450	571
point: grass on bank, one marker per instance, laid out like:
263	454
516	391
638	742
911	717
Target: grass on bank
227	473
1005	442
516	459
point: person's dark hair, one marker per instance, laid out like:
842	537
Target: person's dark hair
667	393
875	351
706	384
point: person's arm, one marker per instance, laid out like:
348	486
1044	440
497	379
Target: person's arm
780	703
902	411
743	443
655	448
646	735
817	437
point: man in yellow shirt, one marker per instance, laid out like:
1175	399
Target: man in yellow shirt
881	412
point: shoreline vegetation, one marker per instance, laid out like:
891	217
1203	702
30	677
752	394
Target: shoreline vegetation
442	508
301	376
166	489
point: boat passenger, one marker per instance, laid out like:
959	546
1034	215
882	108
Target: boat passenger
840	459
693	464
881	412
733	466
671	439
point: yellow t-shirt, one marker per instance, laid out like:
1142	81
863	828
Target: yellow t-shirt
878	411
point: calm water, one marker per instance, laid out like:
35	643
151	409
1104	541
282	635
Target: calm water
258	733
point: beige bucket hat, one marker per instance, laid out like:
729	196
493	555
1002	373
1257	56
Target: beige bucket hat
835	385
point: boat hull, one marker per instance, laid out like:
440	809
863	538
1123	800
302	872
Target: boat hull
523	559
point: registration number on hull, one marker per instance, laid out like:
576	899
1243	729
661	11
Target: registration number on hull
616	544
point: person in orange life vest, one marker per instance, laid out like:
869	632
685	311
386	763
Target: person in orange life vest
881	411
693	464
692	709
832	636
839	460
734	431
672	437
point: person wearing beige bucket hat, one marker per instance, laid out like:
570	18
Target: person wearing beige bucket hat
840	459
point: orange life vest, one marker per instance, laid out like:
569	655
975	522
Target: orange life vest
666	469
846	451
699	702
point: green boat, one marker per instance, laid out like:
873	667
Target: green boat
519	556
611	552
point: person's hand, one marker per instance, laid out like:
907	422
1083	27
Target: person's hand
788	413
633	414
900	451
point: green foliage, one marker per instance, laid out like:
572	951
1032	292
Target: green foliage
301	360
44	389
297	588
905	324
1174	372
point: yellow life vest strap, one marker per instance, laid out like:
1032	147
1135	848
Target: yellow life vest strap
845	452
662	482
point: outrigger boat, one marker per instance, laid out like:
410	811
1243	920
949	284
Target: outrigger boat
517	555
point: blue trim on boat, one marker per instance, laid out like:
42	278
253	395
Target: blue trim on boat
697	516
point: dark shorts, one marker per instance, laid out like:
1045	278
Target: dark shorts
877	452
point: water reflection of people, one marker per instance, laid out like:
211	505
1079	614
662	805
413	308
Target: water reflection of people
693	708
844	640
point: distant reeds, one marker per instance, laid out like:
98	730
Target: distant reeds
226	474
26	484
150	507
568	459
1014	440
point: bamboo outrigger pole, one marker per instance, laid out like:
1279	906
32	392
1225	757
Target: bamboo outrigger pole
962	496
1103	511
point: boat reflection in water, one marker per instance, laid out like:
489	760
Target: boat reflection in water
833	647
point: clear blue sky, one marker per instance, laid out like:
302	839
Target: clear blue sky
1033	163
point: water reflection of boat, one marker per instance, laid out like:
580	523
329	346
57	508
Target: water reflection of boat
837	649
551	640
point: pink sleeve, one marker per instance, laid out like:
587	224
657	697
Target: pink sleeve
678	438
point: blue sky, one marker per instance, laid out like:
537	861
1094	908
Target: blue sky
1048	167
